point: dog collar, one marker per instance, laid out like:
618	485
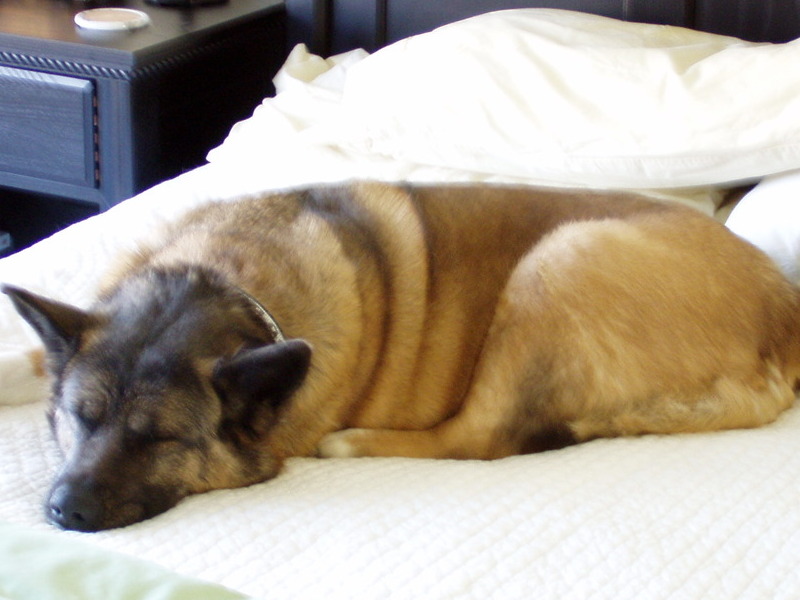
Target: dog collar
265	315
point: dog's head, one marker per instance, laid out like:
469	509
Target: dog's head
165	388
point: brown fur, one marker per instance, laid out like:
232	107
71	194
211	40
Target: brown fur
469	322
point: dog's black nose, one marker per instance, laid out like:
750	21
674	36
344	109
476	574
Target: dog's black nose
74	506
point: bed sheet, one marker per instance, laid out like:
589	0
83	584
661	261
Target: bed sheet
697	516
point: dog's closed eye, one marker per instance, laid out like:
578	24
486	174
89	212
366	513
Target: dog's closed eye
89	414
88	423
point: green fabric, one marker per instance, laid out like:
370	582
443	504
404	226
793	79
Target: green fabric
47	566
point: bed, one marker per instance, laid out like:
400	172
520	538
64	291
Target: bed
578	93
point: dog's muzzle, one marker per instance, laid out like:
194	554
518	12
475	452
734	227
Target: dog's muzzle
84	506
75	506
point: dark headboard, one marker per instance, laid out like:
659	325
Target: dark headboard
330	26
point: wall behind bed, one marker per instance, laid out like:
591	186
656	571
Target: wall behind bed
331	26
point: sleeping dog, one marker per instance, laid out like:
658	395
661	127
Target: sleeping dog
378	320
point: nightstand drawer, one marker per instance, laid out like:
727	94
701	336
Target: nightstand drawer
47	126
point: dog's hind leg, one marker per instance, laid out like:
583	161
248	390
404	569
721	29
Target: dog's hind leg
728	404
483	433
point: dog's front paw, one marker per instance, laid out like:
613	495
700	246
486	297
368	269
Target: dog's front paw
341	444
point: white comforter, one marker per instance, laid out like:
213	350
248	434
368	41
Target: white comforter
697	516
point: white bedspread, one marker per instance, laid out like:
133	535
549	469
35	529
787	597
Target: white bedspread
696	516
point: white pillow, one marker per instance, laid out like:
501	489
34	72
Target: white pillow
769	217
575	98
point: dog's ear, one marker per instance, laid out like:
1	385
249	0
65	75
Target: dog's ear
59	325
262	377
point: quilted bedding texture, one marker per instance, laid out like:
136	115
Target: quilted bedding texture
696	516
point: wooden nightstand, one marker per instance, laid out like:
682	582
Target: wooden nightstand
92	118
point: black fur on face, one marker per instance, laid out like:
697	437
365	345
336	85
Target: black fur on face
165	388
